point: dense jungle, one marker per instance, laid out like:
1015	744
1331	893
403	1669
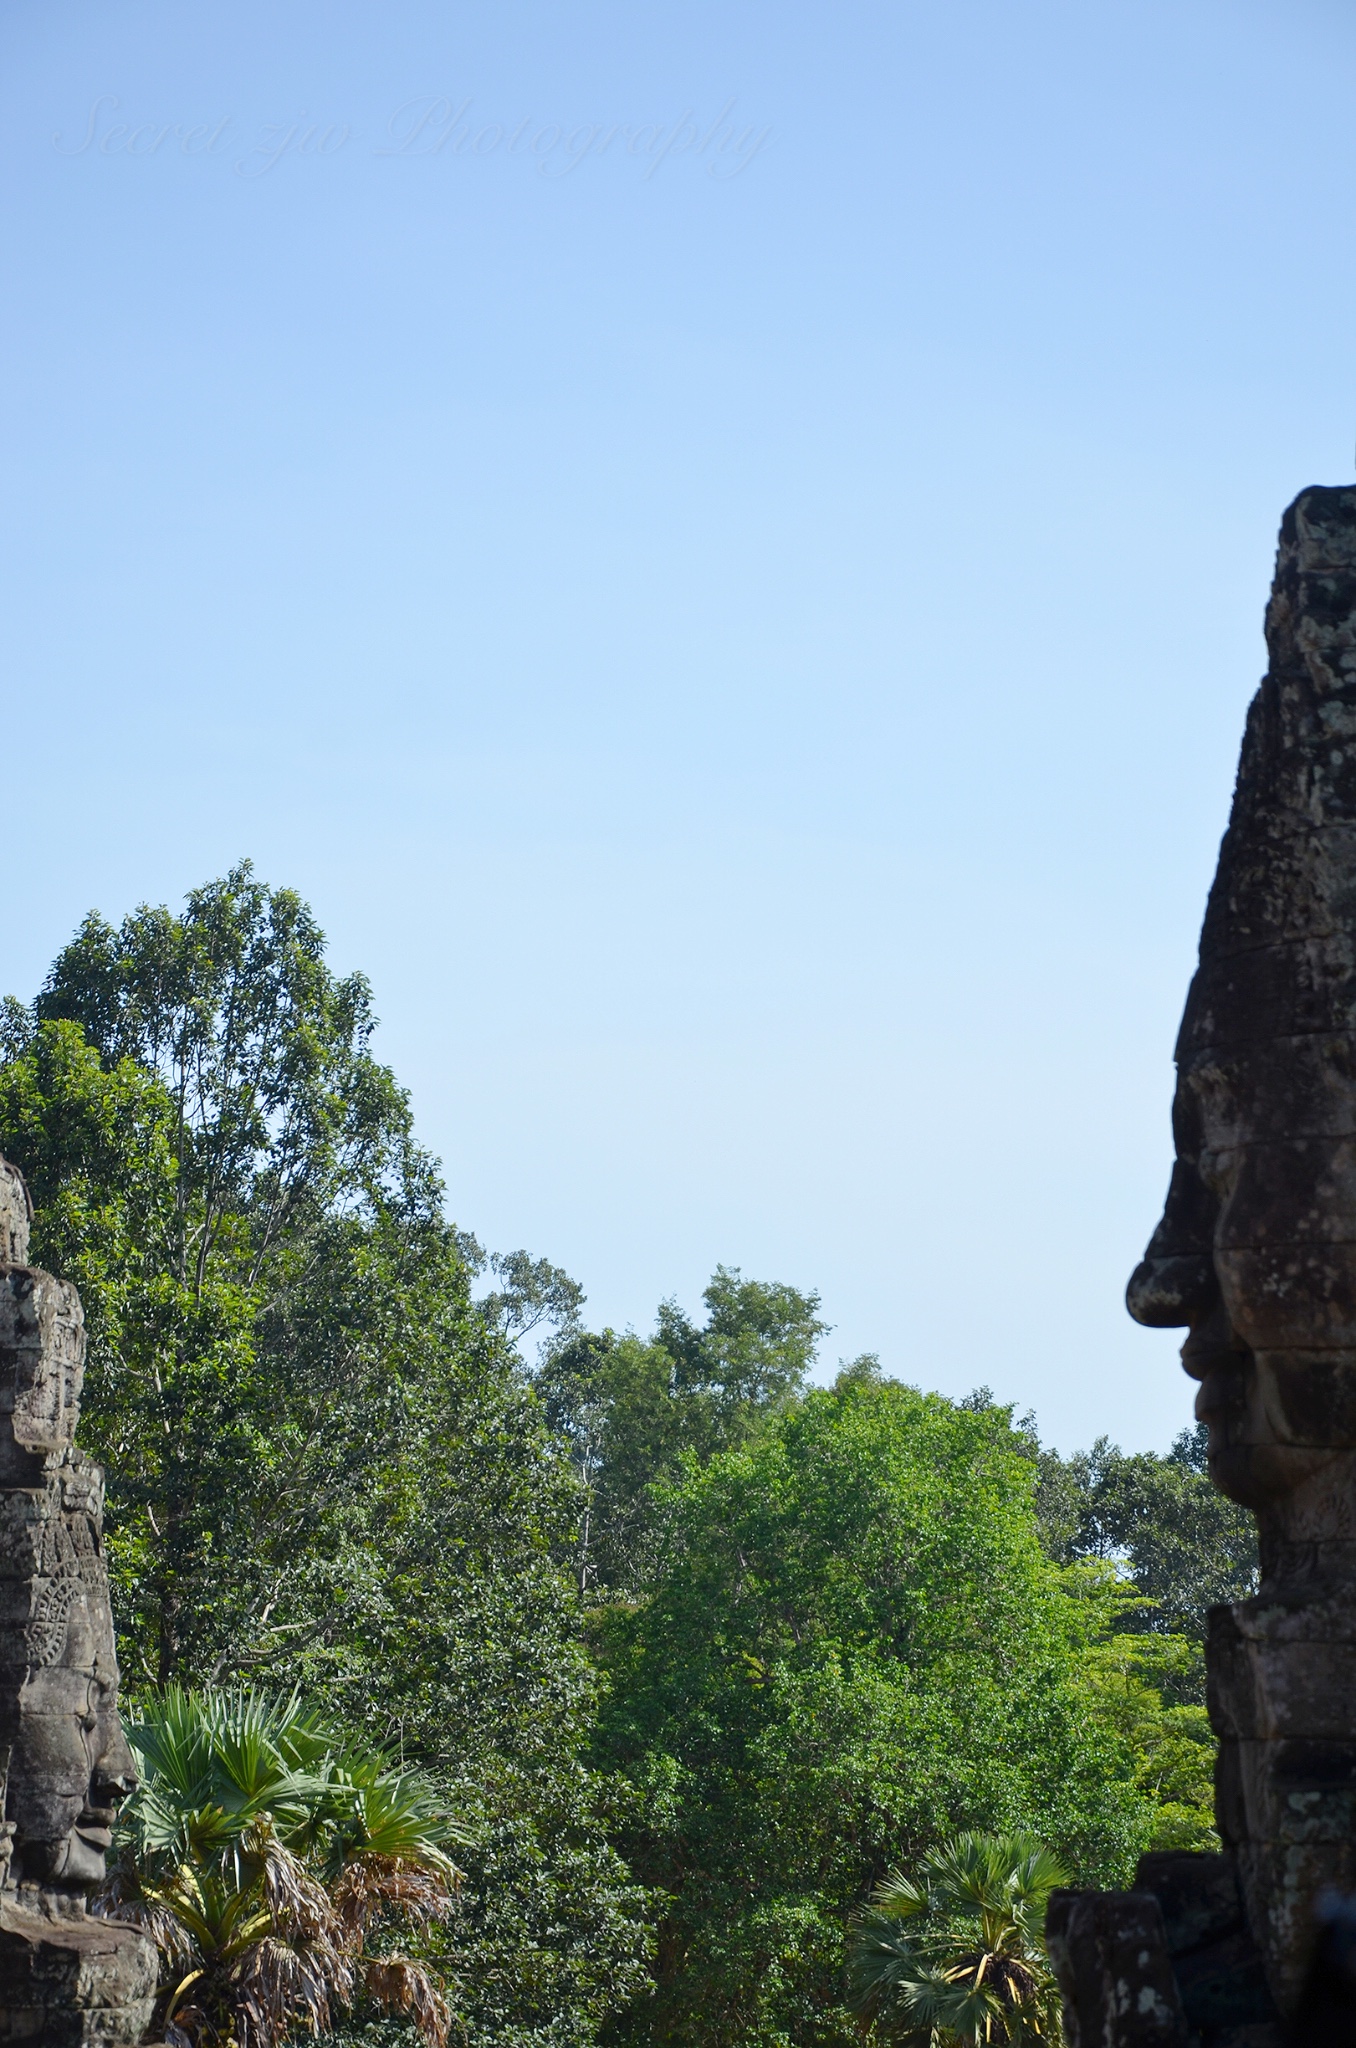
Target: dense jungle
685	1639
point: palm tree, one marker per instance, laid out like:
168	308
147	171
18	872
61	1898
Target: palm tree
266	1856
955	1957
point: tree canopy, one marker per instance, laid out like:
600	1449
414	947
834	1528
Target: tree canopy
1162	1525
323	1465
695	1651
853	1644
631	1409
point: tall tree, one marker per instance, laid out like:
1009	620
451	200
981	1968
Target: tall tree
323	1462
1163	1525
631	1409
853	1646
232	1179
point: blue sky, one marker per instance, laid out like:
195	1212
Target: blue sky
722	547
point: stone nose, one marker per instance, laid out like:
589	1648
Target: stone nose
1168	1293
115	1774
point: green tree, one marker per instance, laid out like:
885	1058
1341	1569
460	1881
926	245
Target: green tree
1151	1543
854	1645
630	1409
1136	1679
1161	1523
232	1180
955	1957
323	1464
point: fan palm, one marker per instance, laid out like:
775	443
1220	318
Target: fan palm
265	1856
954	1957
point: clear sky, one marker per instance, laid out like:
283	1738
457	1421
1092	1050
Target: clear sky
722	546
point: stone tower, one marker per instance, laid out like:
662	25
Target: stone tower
1255	1257
66	1978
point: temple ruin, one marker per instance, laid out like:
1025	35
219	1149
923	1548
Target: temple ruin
1255	1257
67	1977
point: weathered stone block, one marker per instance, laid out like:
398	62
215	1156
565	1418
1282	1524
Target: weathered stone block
73	1979
42	1357
1216	1963
1109	1951
1197	1895
1284	1683
1312	1094
74	1959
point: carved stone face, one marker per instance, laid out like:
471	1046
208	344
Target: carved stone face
1256	1251
67	1765
71	1767
1250	1257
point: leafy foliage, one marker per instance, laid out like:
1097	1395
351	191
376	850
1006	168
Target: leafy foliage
955	1958
267	1857
231	1180
854	1645
1185	1546
1135	1681
1157	1547
631	1409
532	1294
322	1460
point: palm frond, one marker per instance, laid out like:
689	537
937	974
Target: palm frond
259	1853
124	1898
954	1954
294	1900
399	1818
371	1888
279	1986
398	1985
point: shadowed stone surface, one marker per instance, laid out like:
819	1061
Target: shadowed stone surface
1216	1963
1110	1953
1256	1251
66	1979
1172	1962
